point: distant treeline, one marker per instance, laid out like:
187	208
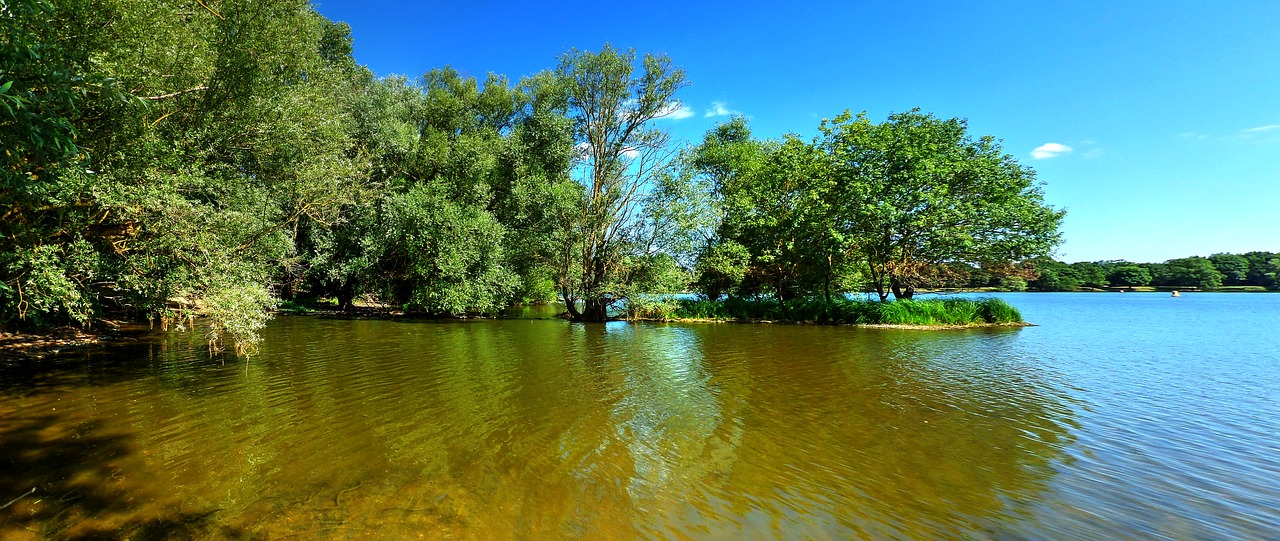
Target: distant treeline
1258	269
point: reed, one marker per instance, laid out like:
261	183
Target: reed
927	312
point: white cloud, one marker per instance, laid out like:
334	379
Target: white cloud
1050	150
630	153
1262	129
676	111
720	108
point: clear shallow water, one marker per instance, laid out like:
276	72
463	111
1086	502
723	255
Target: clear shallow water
1122	416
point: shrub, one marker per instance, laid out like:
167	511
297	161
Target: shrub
994	310
642	307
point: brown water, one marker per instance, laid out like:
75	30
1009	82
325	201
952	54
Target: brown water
540	429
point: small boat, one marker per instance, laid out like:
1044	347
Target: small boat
1175	294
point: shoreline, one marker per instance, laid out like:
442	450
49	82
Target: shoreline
22	346
816	324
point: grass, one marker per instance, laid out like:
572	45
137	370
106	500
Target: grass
928	312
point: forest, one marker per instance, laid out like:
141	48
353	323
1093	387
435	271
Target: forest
1254	270
169	160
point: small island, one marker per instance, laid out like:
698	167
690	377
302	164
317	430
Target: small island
938	314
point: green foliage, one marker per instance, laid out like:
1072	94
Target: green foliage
1089	274
1190	272
613	106
916	193
658	273
1256	269
1129	275
652	307
1264	269
910	202
721	268
52	283
993	310
47	83
1012	283
442	255
184	195
238	310
930	312
1234	268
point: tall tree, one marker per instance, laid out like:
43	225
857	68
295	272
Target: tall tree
623	153
916	192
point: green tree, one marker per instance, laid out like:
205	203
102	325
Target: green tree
183	199
442	255
917	192
613	109
725	160
1129	275
1090	274
1192	272
450	157
1234	268
1053	275
780	214
1264	269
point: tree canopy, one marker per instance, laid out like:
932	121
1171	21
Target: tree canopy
891	206
916	193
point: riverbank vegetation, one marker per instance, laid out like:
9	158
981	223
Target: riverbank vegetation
165	160
953	312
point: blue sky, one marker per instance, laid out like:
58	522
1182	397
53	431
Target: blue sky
1157	123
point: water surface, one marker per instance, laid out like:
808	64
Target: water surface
1122	416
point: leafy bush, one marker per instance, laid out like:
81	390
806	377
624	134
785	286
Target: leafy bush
52	284
238	310
644	307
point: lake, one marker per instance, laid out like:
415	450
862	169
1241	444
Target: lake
1121	416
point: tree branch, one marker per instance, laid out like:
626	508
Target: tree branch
206	6
174	94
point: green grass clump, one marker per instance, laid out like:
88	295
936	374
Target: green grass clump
997	311
652	308
928	312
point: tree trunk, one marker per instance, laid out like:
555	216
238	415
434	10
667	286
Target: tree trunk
879	281
594	311
826	282
343	292
902	292
571	305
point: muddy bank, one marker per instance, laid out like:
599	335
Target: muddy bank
38	345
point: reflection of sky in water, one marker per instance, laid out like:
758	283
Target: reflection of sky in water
667	414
